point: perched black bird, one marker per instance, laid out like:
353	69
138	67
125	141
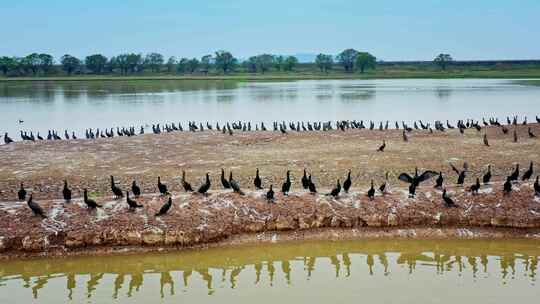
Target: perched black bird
439	181
382	188
311	186
132	204
287	184
90	202
405	137
135	189
515	136
474	188
165	208
115	190
35	207
270	194
234	185
515	175
22	193
185	184
162	187
7	139
527	175
486	142
537	187
448	202
371	191
412	190
257	181
417	179
305	181
531	134
507	187
461	174
347	183
66	192
381	148
487	177
203	189
336	190
224	181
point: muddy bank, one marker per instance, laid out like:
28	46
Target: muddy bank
227	218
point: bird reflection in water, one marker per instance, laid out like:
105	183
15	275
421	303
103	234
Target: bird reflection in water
276	266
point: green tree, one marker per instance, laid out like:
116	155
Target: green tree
70	63
182	66
206	64
171	63
324	62
154	61
121	61
264	62
7	64
347	59
96	63
279	61
365	60
46	62
290	63
251	64
225	61
443	60
192	65
30	63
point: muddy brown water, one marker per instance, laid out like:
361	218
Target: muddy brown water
382	271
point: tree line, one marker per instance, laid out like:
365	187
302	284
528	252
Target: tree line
221	62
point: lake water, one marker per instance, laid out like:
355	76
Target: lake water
79	105
372	271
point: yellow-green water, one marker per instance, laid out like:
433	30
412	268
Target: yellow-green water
373	271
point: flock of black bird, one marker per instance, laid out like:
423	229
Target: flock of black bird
283	127
307	182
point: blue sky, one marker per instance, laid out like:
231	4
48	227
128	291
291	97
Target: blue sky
391	30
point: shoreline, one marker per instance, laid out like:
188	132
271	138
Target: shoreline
249	78
276	237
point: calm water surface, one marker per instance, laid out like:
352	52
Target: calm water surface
99	104
381	271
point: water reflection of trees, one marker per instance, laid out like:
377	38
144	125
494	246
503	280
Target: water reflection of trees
377	263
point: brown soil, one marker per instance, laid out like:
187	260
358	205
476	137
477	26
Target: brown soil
196	220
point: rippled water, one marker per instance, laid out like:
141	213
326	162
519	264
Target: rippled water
373	271
97	104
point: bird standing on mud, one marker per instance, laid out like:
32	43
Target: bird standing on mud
118	193
185	184
487	177
287	184
132	204
203	189
527	175
311	186
381	148
415	180
36	209
448	202
162	187
347	183
336	190
90	203
234	185
507	187
21	194
224	181
135	189
439	181
257	182
165	208
515	175
305	181
270	194
371	192
474	188
66	192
